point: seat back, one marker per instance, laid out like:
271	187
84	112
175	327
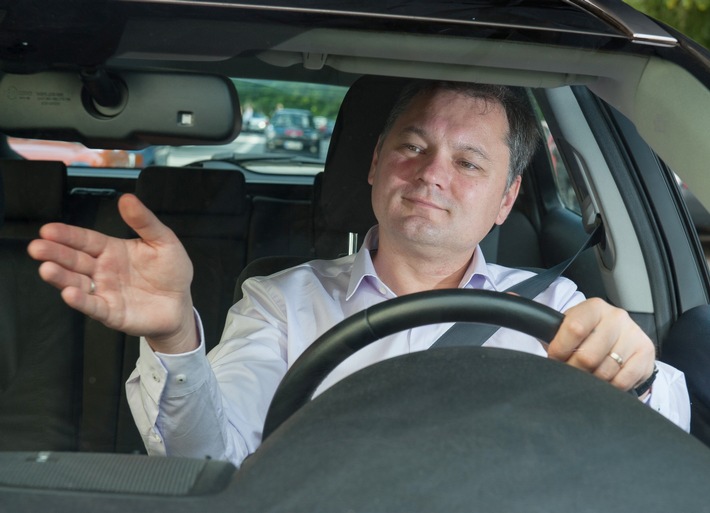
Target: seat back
35	194
42	338
343	203
280	227
208	209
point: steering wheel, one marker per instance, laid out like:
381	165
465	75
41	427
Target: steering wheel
463	428
393	316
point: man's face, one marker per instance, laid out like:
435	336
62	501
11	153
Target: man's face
439	179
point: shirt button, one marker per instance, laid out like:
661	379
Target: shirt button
156	377
181	378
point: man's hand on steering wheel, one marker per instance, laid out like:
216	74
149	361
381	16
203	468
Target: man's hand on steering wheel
604	341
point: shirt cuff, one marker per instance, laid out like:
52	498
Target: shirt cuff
173	375
669	396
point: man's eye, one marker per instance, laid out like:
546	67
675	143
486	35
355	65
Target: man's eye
468	165
412	148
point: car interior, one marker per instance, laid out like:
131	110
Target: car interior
229	235
234	226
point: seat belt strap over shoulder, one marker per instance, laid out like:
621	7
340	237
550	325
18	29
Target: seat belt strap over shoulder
473	334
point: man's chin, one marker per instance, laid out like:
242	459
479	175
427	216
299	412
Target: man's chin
424	233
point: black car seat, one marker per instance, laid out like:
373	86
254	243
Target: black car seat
208	209
42	338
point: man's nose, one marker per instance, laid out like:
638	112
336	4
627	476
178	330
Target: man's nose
433	170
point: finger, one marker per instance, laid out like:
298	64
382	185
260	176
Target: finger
592	353
61	278
618	352
610	366
143	221
64	256
637	367
76	289
91	305
587	334
80	239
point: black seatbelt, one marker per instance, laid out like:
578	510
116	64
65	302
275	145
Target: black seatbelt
470	334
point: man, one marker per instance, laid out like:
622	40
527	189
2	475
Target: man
447	167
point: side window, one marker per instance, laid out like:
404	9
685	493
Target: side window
565	191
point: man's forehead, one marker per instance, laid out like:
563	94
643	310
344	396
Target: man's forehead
424	102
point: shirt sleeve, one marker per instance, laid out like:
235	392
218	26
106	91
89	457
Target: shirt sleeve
177	406
171	396
195	406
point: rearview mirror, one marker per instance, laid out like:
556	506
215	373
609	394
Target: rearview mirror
150	108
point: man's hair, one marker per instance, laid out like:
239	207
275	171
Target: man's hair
523	130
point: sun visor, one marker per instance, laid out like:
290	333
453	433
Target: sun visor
118	109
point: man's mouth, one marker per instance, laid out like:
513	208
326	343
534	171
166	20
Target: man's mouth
423	202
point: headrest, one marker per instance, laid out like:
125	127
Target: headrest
192	190
345	199
34	190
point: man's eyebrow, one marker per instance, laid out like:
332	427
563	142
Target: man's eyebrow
412	129
470	148
465	147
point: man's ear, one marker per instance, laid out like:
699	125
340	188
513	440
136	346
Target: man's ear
506	204
375	159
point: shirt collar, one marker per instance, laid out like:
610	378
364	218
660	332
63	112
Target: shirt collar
363	267
477	275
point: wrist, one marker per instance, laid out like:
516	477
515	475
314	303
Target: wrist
643	390
184	339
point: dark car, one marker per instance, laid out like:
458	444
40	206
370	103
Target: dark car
625	104
293	130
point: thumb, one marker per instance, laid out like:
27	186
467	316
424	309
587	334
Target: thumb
142	220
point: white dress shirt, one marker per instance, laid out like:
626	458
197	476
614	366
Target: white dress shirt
215	406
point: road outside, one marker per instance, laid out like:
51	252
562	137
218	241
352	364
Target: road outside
246	143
